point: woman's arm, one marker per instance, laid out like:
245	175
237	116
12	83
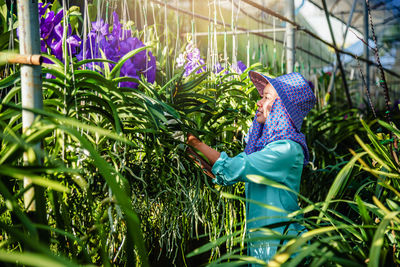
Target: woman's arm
200	162
211	154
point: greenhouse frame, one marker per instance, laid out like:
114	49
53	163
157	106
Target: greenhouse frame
199	133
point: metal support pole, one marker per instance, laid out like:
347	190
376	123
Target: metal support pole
274	14
346	88
31	80
290	35
366	48
238	32
331	82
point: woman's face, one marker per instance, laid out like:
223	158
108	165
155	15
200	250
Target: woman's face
264	105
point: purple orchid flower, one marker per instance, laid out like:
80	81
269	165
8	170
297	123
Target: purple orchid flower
194	55
72	41
191	60
116	31
242	67
115	45
42	9
180	61
100	27
192	65
239	67
90	47
47	25
51	33
143	63
218	67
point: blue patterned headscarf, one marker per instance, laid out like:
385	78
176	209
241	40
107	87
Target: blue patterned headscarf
296	99
278	126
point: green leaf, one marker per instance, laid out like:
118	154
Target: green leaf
30	259
5	38
393	205
390	128
372	153
60	76
57	64
362	209
10	80
261	204
121	62
383	150
94	60
212	244
23	218
192	84
11	94
340	180
293	245
377	242
56	6
59	119
134	233
3	15
18	173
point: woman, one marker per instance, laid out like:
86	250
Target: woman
275	149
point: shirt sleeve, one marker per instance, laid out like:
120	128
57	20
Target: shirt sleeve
274	162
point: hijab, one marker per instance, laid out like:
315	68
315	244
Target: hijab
278	126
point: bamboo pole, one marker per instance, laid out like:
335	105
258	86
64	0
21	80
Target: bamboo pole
13	58
31	80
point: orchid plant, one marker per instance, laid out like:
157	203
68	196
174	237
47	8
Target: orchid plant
114	45
52	31
103	41
191	60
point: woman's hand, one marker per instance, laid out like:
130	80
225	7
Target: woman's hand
199	161
192	140
211	154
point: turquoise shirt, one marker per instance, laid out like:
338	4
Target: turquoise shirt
281	161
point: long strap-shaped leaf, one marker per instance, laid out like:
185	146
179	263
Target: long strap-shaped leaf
377	242
134	233
340	179
10	80
121	62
